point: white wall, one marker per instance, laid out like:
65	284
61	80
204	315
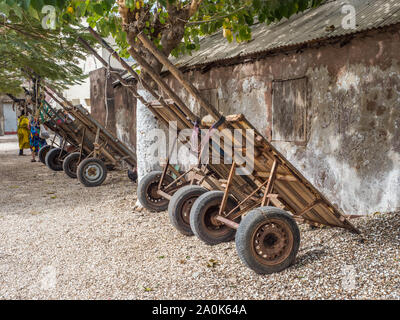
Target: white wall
1	120
10	118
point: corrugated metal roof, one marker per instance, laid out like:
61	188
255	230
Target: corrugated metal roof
311	25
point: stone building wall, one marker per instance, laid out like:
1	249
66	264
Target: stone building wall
119	111
333	110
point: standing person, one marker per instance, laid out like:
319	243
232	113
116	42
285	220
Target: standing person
34	138
23	133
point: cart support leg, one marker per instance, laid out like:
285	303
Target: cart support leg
163	174
53	140
96	143
270	184
166	166
178	178
62	148
81	145
228	184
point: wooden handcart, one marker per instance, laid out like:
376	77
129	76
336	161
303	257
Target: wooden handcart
259	210
92	151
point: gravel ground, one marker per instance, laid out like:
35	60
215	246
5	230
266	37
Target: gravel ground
59	240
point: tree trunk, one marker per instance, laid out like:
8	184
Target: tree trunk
170	36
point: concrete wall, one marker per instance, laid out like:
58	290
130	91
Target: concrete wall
351	150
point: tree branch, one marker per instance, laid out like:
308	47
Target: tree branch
194	6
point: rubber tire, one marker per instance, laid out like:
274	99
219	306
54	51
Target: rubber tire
51	157
66	164
176	203
244	234
196	218
144	183
43	152
81	172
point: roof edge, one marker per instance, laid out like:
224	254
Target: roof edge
284	49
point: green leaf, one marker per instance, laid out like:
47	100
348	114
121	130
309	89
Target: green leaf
130	3
303	4
249	19
33	13
17	10
98	8
25	4
4	8
37	5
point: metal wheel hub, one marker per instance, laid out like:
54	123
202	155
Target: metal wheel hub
152	194
93	172
272	242
57	160
214	221
73	165
210	220
185	212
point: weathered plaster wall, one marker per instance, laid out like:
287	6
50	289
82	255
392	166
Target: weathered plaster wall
148	159
352	151
121	105
125	116
101	111
1	119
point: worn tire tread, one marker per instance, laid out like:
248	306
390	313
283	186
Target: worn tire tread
177	201
244	234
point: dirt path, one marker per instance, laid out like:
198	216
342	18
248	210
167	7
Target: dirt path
60	240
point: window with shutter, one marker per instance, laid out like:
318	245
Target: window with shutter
289	110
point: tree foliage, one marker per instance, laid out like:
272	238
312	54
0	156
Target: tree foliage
25	46
176	26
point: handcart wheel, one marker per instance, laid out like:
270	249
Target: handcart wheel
70	164
267	240
147	191
180	205
92	172
43	152
54	159
203	222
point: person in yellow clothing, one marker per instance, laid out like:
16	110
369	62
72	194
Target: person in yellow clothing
23	133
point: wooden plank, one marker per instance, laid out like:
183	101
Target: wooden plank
178	75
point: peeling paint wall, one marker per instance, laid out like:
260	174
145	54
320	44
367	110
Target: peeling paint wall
120	110
125	116
352	147
1	119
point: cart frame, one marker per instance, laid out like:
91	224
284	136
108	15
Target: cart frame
267	239
96	149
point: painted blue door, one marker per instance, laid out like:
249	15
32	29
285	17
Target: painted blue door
10	119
